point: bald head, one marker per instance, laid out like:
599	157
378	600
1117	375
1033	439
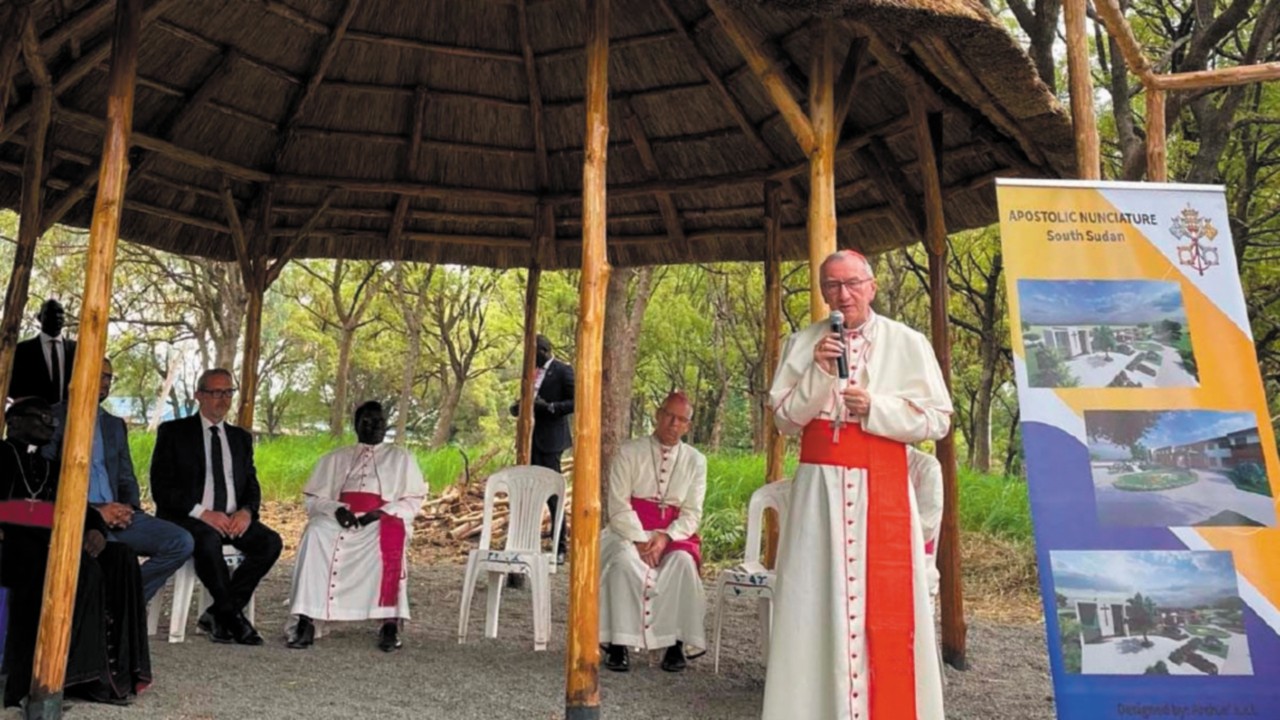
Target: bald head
674	417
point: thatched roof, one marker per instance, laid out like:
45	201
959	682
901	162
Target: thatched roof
257	93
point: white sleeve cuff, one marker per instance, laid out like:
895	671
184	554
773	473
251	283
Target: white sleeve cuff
197	511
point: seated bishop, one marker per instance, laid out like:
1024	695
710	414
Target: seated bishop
352	562
651	595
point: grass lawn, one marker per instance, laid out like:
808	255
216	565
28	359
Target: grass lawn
1207	631
1155	480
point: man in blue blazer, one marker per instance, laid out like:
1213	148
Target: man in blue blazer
203	479
114	493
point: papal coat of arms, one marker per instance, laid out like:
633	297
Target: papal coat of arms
1196	231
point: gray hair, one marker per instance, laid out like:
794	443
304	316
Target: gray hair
204	377
846	255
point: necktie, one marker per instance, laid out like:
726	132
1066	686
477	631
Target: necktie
219	472
55	369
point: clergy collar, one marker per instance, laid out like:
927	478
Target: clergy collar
866	325
656	441
366	446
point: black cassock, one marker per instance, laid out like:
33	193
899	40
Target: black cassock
108	659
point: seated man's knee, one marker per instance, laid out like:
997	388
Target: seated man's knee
272	545
681	562
180	543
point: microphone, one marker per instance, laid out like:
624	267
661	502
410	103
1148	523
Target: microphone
837	327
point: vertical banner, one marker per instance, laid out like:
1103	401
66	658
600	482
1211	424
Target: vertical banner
1150	455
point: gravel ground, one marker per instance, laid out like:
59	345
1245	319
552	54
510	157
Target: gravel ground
345	676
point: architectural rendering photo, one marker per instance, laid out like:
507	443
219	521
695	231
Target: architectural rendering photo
1105	333
1139	612
1171	468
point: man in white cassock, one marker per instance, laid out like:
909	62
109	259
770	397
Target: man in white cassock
853	635
361	502
651	595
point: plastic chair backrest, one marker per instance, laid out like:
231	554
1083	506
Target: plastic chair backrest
776	495
527	488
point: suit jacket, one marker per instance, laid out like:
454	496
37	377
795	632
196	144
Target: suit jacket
30	377
178	468
115	449
115	454
551	421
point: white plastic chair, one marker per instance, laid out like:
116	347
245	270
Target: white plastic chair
527	488
184	583
751	578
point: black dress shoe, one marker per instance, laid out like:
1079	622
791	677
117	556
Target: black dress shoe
673	660
221	630
304	635
389	637
245	634
205	623
561	556
617	658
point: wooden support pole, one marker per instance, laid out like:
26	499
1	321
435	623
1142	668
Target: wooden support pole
768	73
582	656
928	138
15	299
822	165
254	288
1157	156
1088	150
524	423
775	444
1112	18
13	19
52	641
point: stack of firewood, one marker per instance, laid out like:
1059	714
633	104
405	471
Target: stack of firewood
457	515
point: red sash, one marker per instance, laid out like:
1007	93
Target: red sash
890	602
653	516
32	513
391	539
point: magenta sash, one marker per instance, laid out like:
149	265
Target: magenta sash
391	539
654	516
32	513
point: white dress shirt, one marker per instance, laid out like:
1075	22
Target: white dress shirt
48	344
206	500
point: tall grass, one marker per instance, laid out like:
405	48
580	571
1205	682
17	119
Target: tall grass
991	504
285	463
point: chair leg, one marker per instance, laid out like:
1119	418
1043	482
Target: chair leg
765	610
153	616
720	590
496	582
540	590
184	582
249	609
468	590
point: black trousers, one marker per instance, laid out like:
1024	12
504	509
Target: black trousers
552	461
231	591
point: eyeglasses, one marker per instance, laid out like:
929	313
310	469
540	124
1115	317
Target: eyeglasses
224	394
832	287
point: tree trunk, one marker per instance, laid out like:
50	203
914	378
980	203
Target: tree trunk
413	338
626	298
338	411
448	408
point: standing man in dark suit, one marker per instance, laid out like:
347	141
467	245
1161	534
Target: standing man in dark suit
203	479
42	364
552	406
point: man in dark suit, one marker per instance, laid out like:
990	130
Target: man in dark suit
552	406
42	364
203	479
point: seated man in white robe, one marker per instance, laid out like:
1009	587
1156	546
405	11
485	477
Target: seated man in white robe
651	595
361	502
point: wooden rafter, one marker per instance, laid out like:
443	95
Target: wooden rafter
880	165
78	71
667	206
239	241
395	236
543	179
851	74
276	266
435	48
766	70
449	192
300	104
87	22
727	99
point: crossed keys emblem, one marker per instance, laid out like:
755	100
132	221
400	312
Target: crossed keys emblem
1196	231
